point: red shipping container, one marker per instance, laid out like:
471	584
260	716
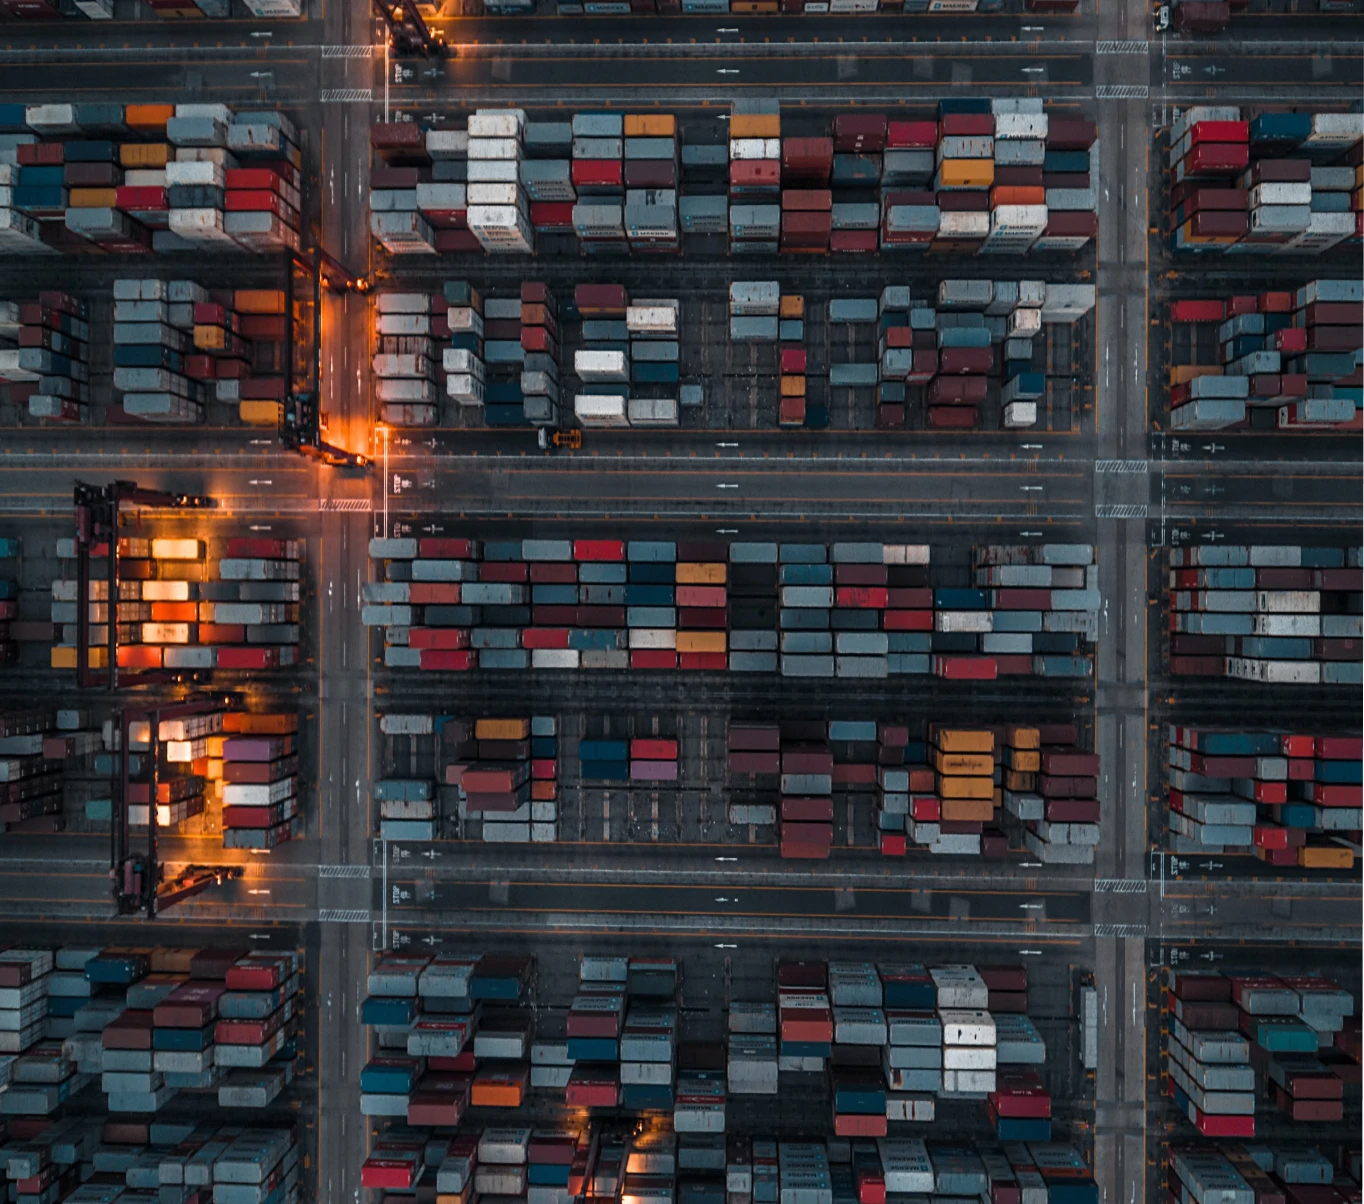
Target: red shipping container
452	659
746	174
653	750
553	574
433	593
612	550
538	338
1021	599
597	173
812	810
130	198
710	661
807	159
890	415
544	637
859	132
438	637
857	242
856	1124
971	125
551	215
957	390
793	360
791	411
965	668
1219	131
1198	311
653	658
912	135
1216	158
861	597
893	844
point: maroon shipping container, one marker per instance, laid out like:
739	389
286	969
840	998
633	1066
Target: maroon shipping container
600	300
1070	133
765	739
650	173
795	760
807	810
857	242
1219	223
860	574
1201	200
1053	179
1202	16
806	200
257	748
957	390
1333	338
1216	158
1343	313
855	132
1071	223
970	125
549	574
1281	171
191	1006
1033	177
1070	762
963	201
965	360
912	135
741	761
806	160
952	417
749	174
130	1030
806	228
92	175
394	177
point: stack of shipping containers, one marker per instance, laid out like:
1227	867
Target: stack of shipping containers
1291	356
1277	183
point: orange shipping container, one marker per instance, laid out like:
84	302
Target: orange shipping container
499	1088
1022	737
754	125
967	173
700	641
139	656
689	573
64	657
964	763
959	810
650	125
1025	762
92	198
977	788
1182	374
793	386
258	301
1014	194
147	117
960	740
544	792
259	413
210	338
175	612
792	306
502	729
244	724
222	633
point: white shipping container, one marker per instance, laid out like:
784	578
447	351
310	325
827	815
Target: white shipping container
755	148
596	410
494	148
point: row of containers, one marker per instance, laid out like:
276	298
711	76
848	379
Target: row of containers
1288	798
936	360
456	1034
1281	613
1001	177
1284	1048
788	7
178	348
97	1043
948	790
230	773
864	610
1284	360
103	10
144	178
191	604
1272	183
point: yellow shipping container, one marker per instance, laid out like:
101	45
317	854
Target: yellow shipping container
971	811
1023	737
975	764
172	961
650	125
92	198
960	740
258	301
792	306
701	641
1023	761
690	573
259	413
213	771
754	125
977	788
177	549
1017	780
215	746
967	173
64	657
143	154
502	729
793	386
1326	857
210	338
